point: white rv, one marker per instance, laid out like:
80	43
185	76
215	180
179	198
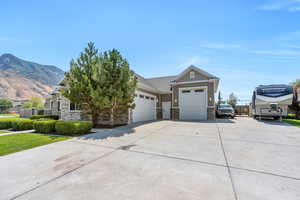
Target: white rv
272	101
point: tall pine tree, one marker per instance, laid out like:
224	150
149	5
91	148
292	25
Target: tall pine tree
101	83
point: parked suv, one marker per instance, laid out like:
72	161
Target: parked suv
225	110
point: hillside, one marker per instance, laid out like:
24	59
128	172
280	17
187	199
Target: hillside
20	79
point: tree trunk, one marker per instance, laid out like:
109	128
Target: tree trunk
112	119
298	114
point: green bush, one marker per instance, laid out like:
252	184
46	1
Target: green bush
22	124
6	123
44	126
73	127
34	117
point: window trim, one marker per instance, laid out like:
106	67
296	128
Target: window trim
192	75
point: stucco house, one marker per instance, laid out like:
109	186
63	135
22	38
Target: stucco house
189	95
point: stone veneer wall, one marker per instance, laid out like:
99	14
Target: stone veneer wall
120	118
175	113
211	113
158	113
66	113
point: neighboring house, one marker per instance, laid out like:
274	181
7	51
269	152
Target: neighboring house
187	96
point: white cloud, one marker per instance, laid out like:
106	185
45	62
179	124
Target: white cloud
277	52
194	61
288	5
220	46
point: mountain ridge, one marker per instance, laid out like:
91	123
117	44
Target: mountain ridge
22	79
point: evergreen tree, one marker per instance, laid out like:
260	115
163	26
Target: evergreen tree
100	82
232	100
219	98
5	104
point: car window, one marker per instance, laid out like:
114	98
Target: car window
225	106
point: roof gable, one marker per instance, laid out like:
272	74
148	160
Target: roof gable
205	75
163	84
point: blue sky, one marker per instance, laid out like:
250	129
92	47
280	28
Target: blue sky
245	43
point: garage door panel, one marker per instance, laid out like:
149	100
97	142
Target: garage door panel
193	104
145	107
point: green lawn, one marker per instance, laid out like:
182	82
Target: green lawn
2	131
294	122
10	115
18	142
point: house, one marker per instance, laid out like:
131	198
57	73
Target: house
186	96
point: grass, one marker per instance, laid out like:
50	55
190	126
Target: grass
294	122
9	115
2	131
22	141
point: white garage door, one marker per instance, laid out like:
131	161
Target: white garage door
145	107
193	103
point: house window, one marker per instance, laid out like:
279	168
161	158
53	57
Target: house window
142	96
74	106
192	75
147	97
199	90
51	105
152	98
186	91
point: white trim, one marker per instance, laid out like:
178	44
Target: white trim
146	88
192	67
194	87
186	82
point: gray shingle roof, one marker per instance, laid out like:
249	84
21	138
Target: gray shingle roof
161	83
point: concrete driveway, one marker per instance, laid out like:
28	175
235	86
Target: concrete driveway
225	159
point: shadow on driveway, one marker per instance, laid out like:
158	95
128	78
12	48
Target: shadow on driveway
274	122
105	133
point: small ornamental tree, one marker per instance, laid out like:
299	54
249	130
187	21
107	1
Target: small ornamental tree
100	82
232	100
5	104
296	83
34	102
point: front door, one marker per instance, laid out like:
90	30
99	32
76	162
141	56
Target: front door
166	109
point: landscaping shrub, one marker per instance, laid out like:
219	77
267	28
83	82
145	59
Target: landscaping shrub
44	126
73	127
5	123
54	117
22	124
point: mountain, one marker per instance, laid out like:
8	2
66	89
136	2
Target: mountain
21	79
